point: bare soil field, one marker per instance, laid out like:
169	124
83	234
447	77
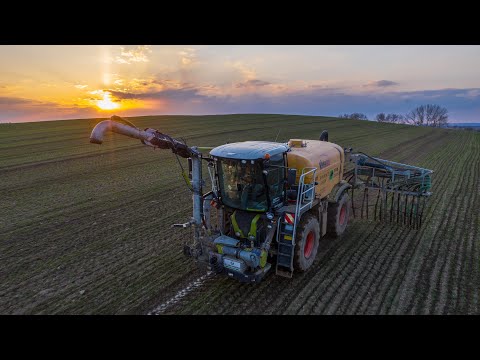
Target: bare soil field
86	229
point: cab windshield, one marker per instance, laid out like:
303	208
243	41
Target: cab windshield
242	183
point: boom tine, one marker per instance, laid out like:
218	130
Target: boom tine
387	208
416	212
419	220
412	202
384	209
397	212
385	202
381	203
417	200
391	206
379	208
414	217
399	209
375	209
410	215
421	213
363	202
366	191
409	219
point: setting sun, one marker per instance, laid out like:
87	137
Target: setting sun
106	103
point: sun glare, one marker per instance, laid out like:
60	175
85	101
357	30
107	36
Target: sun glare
107	103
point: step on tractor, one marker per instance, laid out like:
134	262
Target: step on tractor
270	203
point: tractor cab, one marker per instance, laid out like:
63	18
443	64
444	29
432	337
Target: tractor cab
251	175
251	187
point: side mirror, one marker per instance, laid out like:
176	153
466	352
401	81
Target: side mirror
291	176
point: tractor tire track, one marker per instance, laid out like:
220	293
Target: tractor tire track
181	294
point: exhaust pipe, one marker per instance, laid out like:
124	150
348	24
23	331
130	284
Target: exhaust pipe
98	132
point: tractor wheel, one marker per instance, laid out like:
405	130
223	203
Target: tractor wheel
306	243
337	216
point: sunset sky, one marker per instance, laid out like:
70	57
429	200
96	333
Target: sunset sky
66	82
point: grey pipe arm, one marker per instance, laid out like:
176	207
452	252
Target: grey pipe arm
99	131
149	137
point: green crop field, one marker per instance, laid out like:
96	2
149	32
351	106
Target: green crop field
86	229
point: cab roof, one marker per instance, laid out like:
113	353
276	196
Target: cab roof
249	150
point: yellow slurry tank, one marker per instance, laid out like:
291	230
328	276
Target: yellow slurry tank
327	157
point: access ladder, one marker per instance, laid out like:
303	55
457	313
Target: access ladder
287	223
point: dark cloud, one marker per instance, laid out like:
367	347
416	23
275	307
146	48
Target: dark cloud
320	87
471	93
170	94
15	101
19	110
381	83
252	83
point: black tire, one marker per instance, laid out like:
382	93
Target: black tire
336	220
306	243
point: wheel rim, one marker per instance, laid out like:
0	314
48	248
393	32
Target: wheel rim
308	249
343	215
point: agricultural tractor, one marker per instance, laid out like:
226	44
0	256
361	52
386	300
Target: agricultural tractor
270	203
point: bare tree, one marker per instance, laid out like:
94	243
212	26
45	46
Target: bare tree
427	115
391	118
354	116
381	117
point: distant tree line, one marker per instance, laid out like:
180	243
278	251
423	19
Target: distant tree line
354	116
423	115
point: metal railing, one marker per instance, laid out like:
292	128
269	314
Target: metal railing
305	195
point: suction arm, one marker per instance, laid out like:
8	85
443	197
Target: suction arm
150	137
99	131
